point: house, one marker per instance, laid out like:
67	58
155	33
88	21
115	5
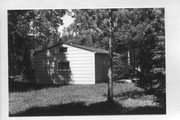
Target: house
69	63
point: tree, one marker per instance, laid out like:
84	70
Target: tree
105	24
151	58
28	31
134	30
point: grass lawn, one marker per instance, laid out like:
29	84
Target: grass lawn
38	100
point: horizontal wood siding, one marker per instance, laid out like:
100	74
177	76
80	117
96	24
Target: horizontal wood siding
45	65
101	67
81	65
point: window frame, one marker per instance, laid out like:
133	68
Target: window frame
62	49
63	69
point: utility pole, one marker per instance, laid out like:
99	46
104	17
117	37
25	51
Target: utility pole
110	82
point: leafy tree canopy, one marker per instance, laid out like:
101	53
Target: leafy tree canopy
28	31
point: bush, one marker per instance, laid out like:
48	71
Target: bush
160	91
154	83
120	67
28	74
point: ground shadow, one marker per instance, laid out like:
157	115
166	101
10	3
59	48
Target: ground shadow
102	108
146	110
17	86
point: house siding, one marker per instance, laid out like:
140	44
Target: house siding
45	65
81	63
101	68
86	67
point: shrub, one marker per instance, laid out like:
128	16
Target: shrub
120	67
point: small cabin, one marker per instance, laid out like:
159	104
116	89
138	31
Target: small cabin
69	63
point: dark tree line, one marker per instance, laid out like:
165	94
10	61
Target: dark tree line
28	31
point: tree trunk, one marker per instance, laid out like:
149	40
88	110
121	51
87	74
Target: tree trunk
134	63
12	61
110	83
128	56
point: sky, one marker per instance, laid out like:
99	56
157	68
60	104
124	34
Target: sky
67	20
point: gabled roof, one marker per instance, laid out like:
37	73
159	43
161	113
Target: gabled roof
95	50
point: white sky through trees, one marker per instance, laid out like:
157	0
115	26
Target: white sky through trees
67	20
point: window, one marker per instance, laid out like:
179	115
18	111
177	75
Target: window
62	49
63	65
